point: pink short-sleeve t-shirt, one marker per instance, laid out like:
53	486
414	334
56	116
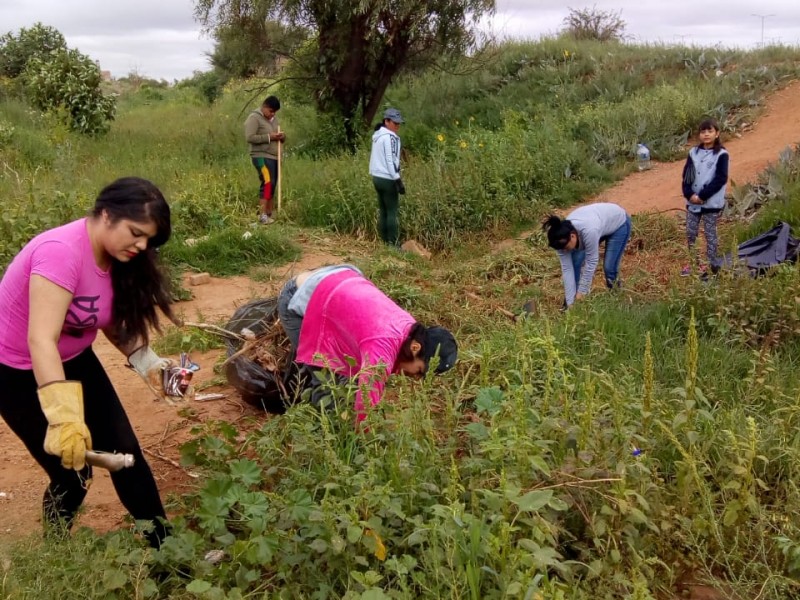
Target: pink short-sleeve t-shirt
64	256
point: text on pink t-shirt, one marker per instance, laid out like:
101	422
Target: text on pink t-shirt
63	256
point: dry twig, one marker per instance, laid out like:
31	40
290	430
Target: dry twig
171	462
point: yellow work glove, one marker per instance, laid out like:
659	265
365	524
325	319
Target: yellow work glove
167	380
67	435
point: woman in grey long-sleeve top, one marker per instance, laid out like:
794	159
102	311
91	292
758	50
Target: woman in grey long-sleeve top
577	240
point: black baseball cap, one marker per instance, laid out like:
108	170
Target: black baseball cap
439	340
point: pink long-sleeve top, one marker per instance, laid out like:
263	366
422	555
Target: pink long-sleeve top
354	329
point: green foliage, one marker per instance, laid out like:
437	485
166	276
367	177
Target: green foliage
471	182
68	82
120	568
21	222
187	339
771	198
231	251
254	46
56	78
208	83
16	51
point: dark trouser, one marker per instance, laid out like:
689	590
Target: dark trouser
709	228
290	320
267	169
310	377
388	205
110	429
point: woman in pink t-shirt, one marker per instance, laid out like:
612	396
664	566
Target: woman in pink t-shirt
96	273
338	319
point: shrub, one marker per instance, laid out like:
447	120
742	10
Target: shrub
69	82
17	51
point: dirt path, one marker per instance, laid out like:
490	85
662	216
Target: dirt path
161	429
659	188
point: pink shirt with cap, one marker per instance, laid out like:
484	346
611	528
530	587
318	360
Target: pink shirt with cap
353	328
65	257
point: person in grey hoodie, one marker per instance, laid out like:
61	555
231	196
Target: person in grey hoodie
262	132
705	176
384	166
577	241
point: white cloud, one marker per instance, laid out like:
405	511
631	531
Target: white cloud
729	23
156	38
161	39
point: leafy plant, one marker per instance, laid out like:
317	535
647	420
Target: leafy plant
16	51
68	82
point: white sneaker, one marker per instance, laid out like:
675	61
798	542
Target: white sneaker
266	220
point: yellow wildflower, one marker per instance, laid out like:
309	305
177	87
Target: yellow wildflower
455	121
462	143
440	137
566	53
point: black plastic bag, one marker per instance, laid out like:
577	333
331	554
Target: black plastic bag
767	250
259	387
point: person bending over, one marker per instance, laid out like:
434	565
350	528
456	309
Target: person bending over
336	318
577	240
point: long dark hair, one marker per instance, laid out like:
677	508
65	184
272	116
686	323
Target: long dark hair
558	231
711	124
140	286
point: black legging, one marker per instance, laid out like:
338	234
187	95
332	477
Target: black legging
110	429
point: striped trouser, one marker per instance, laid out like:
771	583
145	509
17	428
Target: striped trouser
267	169
709	229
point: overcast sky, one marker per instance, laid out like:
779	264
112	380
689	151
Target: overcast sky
160	38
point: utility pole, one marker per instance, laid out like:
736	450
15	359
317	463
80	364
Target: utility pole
763	18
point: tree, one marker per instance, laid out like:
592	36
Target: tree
67	81
360	46
594	24
17	51
254	47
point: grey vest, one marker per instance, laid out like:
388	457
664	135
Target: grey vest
705	166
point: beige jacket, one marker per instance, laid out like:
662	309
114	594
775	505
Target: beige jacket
257	130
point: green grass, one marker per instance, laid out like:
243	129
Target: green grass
233	250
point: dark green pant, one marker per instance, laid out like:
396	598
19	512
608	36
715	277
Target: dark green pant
388	204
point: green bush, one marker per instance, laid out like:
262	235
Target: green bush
16	51
68	82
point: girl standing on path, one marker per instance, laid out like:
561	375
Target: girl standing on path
705	176
96	273
577	240
384	166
